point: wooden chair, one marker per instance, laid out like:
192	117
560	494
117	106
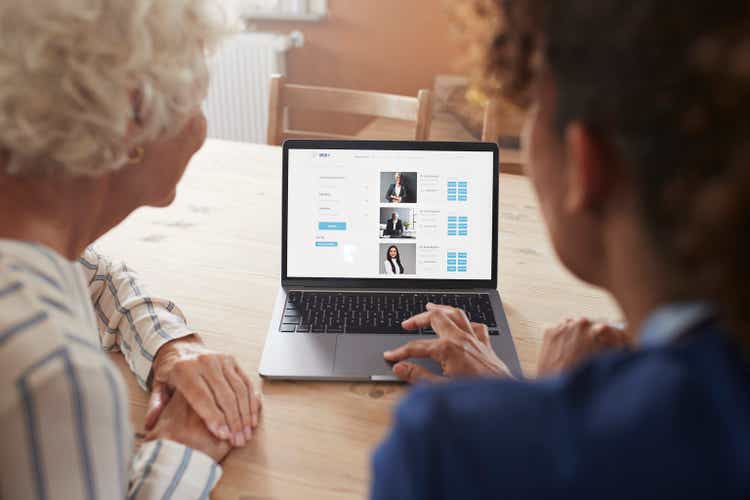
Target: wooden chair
285	96
494	127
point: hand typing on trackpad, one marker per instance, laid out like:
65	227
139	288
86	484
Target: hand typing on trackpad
459	348
426	363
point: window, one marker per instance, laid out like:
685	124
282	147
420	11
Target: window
302	10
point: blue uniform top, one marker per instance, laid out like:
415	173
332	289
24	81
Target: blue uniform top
669	420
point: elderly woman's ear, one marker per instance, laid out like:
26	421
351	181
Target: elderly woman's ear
136	152
124	80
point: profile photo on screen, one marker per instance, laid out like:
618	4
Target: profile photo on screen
398	259
397	222
398	187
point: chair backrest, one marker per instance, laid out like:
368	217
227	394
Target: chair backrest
495	127
285	96
491	128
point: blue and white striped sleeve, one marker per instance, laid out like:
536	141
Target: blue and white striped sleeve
166	469
129	317
74	440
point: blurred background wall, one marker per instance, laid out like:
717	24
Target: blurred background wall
396	46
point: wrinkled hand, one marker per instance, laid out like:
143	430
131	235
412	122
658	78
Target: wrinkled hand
462	348
180	423
212	383
575	340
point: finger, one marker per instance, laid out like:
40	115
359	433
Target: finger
156	404
412	373
242	395
415	349
482	332
459	316
201	398
617	324
255	403
607	336
549	334
421	320
445	327
437	319
583	322
414	322
214	377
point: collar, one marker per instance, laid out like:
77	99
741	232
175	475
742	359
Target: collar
669	322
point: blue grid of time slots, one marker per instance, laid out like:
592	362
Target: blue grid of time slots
457	224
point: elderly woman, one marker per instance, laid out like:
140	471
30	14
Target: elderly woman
99	115
638	149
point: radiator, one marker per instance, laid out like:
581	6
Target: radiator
237	101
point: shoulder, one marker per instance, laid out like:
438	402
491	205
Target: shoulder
656	372
29	296
578	424
46	376
451	440
31	267
634	380
38	293
42	331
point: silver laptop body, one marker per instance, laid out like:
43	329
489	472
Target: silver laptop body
344	288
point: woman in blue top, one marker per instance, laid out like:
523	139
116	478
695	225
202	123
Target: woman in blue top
637	141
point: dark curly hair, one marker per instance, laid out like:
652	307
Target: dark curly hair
667	83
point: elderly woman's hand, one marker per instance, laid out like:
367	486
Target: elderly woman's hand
213	384
575	340
462	348
181	424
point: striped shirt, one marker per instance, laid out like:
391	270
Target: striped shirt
64	423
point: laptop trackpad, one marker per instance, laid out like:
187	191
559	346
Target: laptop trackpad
362	355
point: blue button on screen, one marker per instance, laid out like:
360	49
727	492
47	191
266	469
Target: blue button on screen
332	226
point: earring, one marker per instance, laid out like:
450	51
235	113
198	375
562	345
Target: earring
135	156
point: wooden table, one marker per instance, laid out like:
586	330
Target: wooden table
216	252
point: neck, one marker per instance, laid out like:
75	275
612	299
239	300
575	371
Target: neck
63	214
635	276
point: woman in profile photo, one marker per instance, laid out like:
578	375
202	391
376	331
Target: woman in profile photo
392	263
397	191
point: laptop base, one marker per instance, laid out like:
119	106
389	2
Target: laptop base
357	357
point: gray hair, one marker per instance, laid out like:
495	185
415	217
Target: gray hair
76	73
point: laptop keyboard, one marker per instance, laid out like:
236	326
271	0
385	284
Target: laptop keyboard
351	312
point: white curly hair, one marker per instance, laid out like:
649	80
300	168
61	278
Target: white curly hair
74	74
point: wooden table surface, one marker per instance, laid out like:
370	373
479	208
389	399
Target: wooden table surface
216	252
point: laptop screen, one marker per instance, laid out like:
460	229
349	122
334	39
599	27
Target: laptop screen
390	214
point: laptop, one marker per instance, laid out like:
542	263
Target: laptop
371	232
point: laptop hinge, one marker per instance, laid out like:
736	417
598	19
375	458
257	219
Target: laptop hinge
292	286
